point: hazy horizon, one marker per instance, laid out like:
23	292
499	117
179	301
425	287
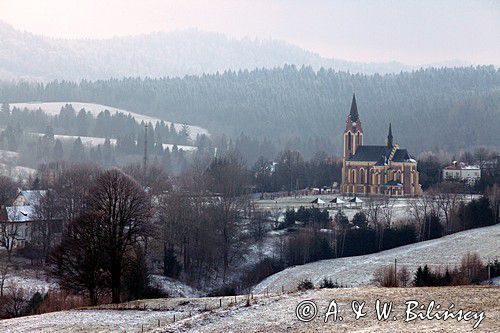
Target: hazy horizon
411	32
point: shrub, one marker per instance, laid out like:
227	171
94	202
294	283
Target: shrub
329	284
305	285
385	277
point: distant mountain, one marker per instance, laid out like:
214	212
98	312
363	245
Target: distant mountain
27	56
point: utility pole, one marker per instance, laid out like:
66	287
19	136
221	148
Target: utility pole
145	161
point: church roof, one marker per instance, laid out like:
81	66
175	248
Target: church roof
379	154
370	153
401	155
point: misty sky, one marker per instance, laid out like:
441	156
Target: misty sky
414	32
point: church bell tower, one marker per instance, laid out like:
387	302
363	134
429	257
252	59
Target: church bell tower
353	134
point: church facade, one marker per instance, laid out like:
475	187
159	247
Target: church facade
377	170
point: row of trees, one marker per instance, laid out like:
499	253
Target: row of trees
471	270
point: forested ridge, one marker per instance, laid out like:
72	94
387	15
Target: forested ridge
448	108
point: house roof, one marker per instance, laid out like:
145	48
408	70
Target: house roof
20	213
337	200
356	199
318	200
462	166
33	196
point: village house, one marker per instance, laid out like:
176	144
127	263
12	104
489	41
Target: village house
17	221
460	171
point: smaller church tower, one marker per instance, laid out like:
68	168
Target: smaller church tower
353	134
390	142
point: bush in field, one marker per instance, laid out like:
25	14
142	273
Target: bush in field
472	267
385	277
305	285
328	284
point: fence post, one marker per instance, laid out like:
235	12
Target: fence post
395	272
220	302
158	322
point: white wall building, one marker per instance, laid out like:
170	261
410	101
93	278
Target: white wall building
459	171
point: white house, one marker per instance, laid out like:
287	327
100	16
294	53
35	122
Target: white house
16	227
459	171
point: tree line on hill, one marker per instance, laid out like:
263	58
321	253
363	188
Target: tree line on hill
84	123
448	108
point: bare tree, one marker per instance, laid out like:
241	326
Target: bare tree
122	210
78	262
71	186
153	178
420	208
47	212
493	193
447	197
404	276
8	191
4	270
258	223
228	178
9	234
385	277
14	303
373	210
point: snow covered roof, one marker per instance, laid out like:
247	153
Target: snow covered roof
355	199
462	166
20	213
33	196
318	201
337	200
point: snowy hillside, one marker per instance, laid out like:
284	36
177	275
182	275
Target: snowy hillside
53	108
92	141
354	271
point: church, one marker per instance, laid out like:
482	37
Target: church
378	170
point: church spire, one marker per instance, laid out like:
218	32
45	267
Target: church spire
354	109
389	137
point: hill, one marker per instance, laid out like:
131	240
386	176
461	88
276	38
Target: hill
53	108
29	56
445	251
298	108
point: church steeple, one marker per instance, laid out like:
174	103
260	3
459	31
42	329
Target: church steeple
389	137
353	134
354	109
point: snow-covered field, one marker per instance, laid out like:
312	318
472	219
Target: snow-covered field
275	313
53	108
400	206
355	271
